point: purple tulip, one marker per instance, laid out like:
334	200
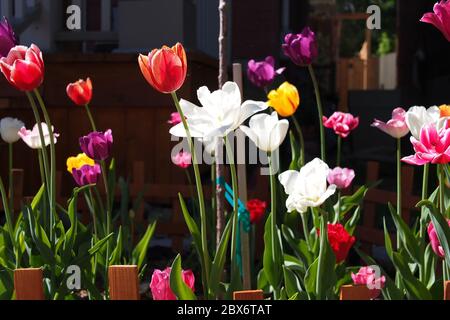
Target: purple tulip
97	145
301	48
262	73
86	174
8	39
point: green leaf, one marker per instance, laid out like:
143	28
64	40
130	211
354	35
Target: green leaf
140	251
299	246
291	282
117	253
311	279
326	274
218	264
351	224
99	244
295	162
179	288
273	256
350	202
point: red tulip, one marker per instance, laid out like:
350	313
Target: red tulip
80	92
23	67
165	69
340	241
257	209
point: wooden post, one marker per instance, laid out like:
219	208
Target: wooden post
28	284
447	291
360	292
242	187
248	295
123	283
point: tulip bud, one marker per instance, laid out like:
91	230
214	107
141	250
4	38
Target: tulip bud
80	92
97	145
301	48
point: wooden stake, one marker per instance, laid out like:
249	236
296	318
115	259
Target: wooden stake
248	295
28	284
351	292
242	187
447	291
123	283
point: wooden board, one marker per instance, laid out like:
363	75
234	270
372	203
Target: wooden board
350	292
250	295
28	284
123	283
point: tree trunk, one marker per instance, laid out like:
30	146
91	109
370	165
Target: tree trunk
223	77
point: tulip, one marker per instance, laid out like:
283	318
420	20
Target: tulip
440	18
435	243
366	276
8	39
87	174
33	139
257	209
266	131
160	284
285	100
97	145
396	127
23	67
433	146
301	48
182	159
340	241
342	123
262	73
444	111
165	69
417	117
9	129
341	177
77	162
307	188
222	112
175	119
80	92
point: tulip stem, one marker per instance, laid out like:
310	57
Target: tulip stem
8	216
399	185
198	182
91	119
52	184
302	140
320	111
11	184
442	189
426	171
339	150
305	226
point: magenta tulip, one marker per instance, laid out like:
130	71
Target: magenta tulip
367	276
8	39
301	48
433	146
182	159
342	123
86	174
440	18
341	177
175	119
434	240
262	73
396	127
97	145
160	284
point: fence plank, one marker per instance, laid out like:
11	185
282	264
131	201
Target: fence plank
123	283
250	295
447	291
350	292
28	284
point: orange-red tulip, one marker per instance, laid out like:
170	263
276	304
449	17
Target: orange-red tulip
165	69
23	67
80	92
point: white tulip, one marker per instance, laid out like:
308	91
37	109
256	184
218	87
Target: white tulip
9	128
307	188
222	112
266	131
33	139
417	117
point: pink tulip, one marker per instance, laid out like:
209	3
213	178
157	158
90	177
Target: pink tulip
440	18
182	159
435	243
396	127
433	147
175	119
341	177
160	284
367	276
342	123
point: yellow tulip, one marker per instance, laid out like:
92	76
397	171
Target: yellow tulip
285	100
445	110
79	161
